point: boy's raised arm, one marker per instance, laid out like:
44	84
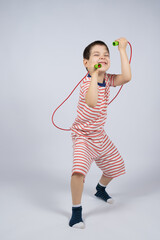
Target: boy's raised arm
126	75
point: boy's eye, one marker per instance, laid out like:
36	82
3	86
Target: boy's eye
98	55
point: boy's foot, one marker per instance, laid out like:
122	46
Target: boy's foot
79	225
76	219
101	193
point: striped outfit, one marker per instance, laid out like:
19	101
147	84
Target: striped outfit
90	141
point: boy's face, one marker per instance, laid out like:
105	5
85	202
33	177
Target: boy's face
98	54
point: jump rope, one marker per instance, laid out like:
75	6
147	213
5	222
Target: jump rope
116	43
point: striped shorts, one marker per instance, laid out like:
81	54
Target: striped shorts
98	148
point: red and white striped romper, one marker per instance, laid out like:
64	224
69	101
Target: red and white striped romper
90	141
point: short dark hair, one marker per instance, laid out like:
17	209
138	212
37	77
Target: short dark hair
87	50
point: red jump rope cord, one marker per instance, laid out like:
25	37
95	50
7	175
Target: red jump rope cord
77	86
64	102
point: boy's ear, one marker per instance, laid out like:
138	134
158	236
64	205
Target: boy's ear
85	61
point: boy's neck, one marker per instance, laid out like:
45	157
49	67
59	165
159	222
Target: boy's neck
101	78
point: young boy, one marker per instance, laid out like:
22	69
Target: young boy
90	142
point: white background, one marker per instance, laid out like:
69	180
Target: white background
41	46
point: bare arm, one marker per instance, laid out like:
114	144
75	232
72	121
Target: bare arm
125	76
92	93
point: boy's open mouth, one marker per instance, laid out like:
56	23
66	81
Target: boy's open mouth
103	63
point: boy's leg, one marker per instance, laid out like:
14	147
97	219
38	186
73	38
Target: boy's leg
112	165
77	182
104	180
82	159
101	193
77	188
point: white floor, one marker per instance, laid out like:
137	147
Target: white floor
37	205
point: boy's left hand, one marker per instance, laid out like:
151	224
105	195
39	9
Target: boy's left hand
122	43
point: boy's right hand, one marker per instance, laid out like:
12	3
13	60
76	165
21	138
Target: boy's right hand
96	72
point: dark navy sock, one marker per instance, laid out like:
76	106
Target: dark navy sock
76	216
101	193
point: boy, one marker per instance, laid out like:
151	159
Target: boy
90	142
